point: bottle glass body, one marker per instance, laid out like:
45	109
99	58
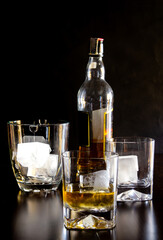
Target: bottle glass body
95	108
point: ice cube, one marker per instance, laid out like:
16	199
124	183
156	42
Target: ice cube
52	165
33	154
87	180
128	169
36	172
36	157
97	180
102	178
49	169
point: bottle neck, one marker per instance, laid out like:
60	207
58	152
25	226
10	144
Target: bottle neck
95	68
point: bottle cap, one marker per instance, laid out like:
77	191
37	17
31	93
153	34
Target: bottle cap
96	46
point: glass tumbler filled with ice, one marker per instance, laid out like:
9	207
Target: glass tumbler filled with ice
89	190
135	169
35	153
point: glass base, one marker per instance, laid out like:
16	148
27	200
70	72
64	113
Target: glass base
26	187
133	195
89	220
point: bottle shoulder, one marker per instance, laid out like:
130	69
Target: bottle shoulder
94	95
95	88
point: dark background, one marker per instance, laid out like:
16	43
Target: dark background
45	53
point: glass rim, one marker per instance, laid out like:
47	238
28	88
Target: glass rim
65	154
130	139
57	123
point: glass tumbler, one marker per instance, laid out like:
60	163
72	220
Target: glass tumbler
35	153
89	190
135	170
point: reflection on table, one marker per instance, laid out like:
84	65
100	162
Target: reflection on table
40	216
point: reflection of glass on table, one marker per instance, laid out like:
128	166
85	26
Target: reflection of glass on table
38	215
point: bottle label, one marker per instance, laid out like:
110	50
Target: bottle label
98	124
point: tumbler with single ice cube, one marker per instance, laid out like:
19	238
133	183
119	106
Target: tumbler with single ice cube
135	170
89	189
35	153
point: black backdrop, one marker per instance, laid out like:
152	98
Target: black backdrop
45	53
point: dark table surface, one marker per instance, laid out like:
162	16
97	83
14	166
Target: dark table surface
39	216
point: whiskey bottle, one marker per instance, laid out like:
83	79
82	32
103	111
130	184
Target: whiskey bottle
95	103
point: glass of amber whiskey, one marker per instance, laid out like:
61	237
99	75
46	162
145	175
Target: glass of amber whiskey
89	189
